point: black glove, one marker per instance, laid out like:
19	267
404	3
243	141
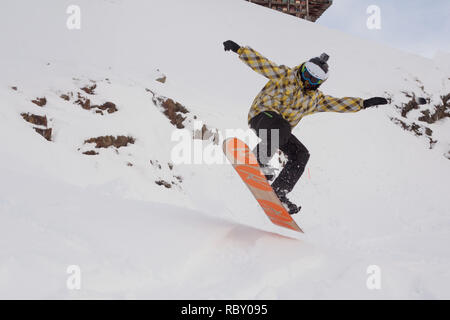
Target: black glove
231	45
375	101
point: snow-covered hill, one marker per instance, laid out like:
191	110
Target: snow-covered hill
140	225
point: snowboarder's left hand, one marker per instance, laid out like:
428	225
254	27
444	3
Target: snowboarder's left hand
375	101
231	45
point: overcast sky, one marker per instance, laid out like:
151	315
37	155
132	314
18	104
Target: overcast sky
418	26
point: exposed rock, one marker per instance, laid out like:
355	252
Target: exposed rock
432	142
46	133
414	127
441	111
109	106
67	96
35	119
108	141
411	105
162	79
407	94
40	101
90	153
173	111
205	134
428	116
155	164
85	103
39	121
14	88
163	183
90	89
417	130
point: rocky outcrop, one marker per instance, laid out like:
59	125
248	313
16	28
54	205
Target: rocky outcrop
40	101
440	111
35	119
39	121
111	141
420	123
174	111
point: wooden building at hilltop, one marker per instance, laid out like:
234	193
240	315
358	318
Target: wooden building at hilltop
306	9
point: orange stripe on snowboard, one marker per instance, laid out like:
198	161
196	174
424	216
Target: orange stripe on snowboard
238	152
246	165
278	215
252	176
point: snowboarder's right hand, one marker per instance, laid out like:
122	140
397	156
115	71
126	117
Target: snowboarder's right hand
231	45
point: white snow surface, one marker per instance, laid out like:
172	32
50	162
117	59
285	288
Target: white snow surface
372	193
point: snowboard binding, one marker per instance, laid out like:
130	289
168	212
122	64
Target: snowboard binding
291	207
268	171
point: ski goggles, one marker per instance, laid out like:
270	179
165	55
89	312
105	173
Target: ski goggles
306	75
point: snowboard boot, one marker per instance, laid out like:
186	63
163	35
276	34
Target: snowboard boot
291	207
268	171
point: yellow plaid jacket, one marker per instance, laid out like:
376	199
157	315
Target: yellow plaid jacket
284	93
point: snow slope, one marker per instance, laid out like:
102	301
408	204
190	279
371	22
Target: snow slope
373	194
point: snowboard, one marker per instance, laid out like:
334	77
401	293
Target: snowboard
246	165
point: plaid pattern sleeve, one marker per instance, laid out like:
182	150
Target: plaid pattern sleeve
328	103
261	64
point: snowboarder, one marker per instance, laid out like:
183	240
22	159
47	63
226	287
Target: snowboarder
289	95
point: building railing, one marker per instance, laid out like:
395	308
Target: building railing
306	9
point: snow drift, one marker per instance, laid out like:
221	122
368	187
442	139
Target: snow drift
100	189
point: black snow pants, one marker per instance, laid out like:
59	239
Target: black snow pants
277	128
